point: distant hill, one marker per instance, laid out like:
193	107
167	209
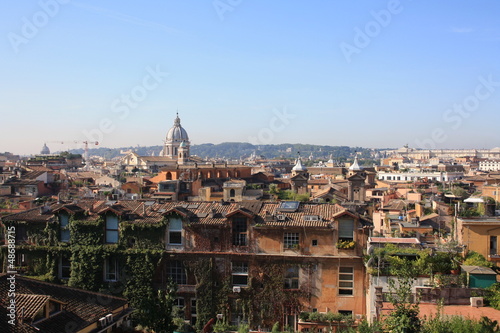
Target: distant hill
237	150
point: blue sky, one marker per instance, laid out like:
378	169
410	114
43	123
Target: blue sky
364	73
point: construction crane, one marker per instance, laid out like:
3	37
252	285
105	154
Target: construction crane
85	147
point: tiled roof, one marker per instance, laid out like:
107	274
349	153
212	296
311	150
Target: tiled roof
38	168
296	219
33	175
156	159
318	182
330	190
393	240
197	213
478	270
394	205
21	182
32	215
80	307
86	174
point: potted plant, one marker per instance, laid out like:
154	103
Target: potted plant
346	244
455	267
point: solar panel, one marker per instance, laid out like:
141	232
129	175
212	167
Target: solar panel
149	203
193	206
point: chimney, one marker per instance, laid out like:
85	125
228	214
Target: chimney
44	209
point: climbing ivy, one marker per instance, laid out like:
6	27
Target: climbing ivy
205	291
142	235
87	233
86	267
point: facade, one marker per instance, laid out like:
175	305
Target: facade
425	154
480	235
283	258
492	191
489	165
413	176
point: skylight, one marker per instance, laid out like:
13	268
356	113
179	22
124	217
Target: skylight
288	206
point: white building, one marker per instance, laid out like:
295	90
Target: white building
489	165
414	176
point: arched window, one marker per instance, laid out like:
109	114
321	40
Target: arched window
169	176
232	193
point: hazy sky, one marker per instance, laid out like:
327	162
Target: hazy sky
355	73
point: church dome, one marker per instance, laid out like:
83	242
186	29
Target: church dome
45	150
177	133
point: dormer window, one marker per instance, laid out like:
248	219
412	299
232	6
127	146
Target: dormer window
346	230
239	231
111	228
36	308
175	231
64	227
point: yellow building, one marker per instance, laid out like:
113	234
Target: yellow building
480	235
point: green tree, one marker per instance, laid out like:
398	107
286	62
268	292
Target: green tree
476	259
404	318
365	327
459	192
273	189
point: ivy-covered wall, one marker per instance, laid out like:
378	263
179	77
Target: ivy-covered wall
141	256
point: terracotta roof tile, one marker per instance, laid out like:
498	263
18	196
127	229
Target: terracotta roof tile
198	213
80	307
